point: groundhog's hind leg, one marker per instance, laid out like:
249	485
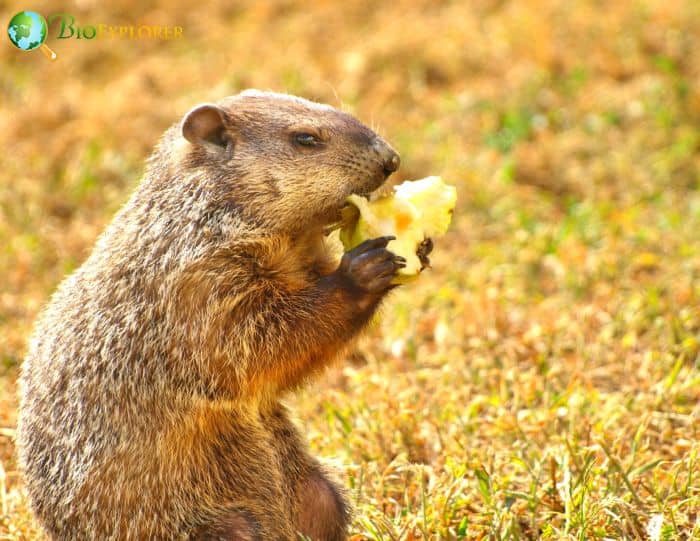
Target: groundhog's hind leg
233	526
322	513
319	508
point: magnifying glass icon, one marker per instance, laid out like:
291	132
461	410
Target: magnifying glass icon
28	31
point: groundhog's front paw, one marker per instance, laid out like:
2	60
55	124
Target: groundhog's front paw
370	266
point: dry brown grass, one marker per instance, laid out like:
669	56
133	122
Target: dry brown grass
543	380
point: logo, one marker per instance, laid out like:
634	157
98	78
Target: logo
68	28
28	31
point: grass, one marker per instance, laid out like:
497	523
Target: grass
542	381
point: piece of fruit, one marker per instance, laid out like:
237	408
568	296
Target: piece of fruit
417	211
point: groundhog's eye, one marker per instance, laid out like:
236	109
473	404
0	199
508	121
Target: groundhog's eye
306	139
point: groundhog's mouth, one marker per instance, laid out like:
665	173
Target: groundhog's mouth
336	221
346	210
375	191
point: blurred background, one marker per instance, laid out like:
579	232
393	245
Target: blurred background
543	379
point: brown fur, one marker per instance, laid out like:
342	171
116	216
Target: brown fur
151	392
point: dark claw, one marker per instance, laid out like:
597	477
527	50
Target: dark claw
372	244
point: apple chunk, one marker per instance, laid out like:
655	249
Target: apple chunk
417	210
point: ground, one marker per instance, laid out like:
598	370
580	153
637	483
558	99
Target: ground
542	380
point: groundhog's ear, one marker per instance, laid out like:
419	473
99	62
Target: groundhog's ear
205	124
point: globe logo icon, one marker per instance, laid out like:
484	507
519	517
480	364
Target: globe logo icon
27	31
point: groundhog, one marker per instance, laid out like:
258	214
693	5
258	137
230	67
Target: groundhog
151	393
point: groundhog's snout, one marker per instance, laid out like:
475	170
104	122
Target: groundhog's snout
392	163
390	158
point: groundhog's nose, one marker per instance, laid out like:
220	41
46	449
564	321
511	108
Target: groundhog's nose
388	155
392	163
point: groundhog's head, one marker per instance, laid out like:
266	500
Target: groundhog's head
284	161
